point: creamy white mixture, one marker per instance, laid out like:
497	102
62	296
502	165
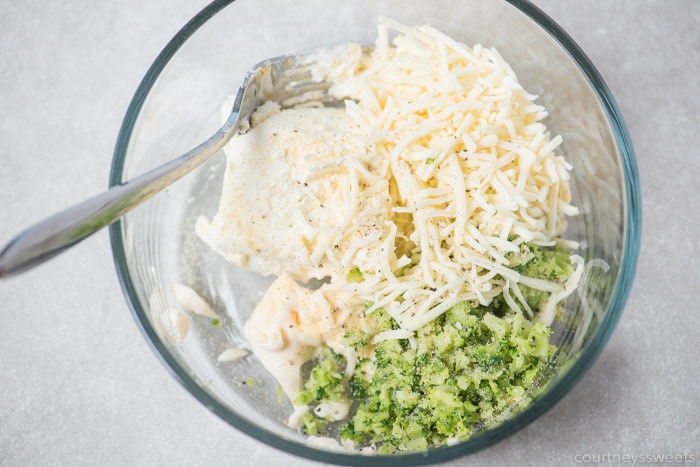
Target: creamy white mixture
299	179
290	324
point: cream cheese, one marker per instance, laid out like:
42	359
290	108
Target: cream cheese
301	182
291	322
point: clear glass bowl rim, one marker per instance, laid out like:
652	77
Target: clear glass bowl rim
560	388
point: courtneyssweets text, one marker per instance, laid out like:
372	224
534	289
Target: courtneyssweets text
636	458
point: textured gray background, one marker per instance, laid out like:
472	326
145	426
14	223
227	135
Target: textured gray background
80	386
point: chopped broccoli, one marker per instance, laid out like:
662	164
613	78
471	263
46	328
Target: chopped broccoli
460	372
552	264
356	338
454	381
359	383
325	382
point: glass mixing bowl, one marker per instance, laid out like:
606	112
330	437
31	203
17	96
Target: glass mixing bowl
178	104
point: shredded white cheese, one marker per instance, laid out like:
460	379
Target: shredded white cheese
474	170
437	168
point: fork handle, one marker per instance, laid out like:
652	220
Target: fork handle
59	232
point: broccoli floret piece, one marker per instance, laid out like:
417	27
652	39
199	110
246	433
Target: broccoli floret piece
379	321
361	378
488	360
312	425
355	275
325	382
460	313
549	263
356	338
552	264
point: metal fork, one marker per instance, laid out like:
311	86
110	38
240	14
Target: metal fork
281	79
